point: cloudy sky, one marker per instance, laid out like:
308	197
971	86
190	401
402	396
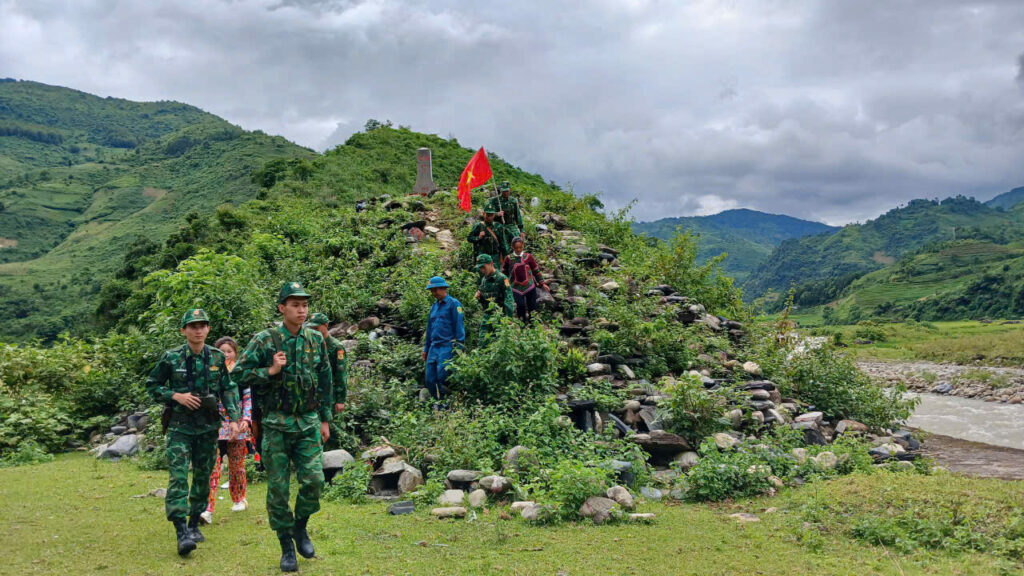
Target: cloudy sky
826	110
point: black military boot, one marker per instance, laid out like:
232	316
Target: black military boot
289	563
302	542
185	542
193	530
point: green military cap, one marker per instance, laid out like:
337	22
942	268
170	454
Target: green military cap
194	315
317	319
490	210
483	259
505	186
292	289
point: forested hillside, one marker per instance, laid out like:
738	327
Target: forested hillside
835	260
84	180
747	237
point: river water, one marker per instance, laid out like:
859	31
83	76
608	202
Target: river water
969	419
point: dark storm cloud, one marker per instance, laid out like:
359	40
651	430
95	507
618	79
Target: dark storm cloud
828	110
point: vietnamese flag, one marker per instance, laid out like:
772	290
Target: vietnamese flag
477	172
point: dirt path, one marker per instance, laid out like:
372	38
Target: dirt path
975	459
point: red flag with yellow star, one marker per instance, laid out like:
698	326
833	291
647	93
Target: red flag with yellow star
477	172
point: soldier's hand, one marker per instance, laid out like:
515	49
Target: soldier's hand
280	359
232	431
187	400
325	432
482	232
424	356
477	295
339	406
502	213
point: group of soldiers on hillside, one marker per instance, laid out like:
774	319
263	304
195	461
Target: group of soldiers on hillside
296	373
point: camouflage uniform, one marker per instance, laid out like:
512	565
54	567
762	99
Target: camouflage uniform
293	403
495	240
338	356
192	434
494	289
513	219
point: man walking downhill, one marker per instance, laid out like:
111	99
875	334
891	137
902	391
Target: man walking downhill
188	380
494	289
446	331
288	369
507	211
489	237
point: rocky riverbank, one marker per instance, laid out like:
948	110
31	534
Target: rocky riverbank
990	384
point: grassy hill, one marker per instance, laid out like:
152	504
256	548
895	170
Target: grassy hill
860	248
747	237
82	178
949	281
1007	200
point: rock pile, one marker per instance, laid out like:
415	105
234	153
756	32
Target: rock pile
991	384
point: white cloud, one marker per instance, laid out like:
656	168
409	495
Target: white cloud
836	111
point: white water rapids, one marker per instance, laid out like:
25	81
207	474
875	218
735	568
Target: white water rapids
969	419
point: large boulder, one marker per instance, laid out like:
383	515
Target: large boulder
126	445
449	512
661	445
495	484
409	480
451	498
336	459
622	497
597	508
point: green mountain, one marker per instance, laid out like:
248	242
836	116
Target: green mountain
957	280
747	237
83	178
831	262
1007	200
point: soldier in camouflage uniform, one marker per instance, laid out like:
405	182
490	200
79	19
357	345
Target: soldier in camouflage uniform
338	356
289	372
188	380
489	237
507	211
494	289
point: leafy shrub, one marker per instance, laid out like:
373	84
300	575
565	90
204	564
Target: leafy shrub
568	485
351	485
868	332
692	411
32	417
834	385
517	364
26	453
726	474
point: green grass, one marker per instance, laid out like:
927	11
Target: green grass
964	342
76	515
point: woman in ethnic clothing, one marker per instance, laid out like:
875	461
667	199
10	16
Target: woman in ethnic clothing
235	450
523	272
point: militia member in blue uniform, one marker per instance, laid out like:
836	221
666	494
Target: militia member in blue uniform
188	381
445	332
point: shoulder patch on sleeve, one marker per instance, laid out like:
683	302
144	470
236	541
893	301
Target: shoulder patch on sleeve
459	308
214	368
341	354
506	283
